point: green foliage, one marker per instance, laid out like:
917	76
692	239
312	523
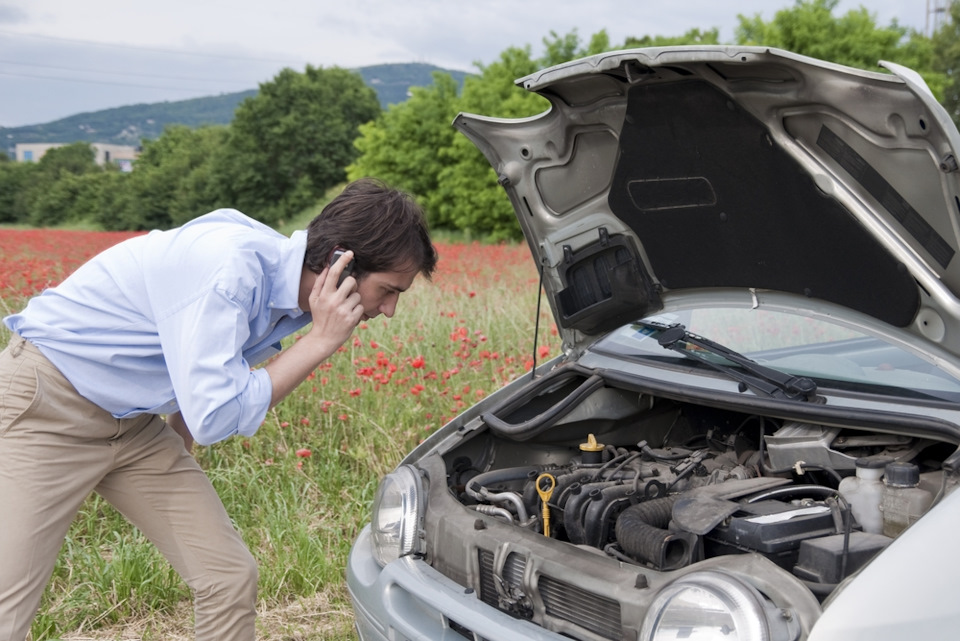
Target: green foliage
402	147
413	146
55	191
945	44
71	197
468	196
173	181
112	198
693	36
14	177
76	158
853	39
293	141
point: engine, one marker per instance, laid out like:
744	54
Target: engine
811	499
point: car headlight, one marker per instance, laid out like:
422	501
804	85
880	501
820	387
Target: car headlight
395	523
714	606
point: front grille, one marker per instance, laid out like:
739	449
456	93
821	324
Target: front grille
488	589
585	609
511	597
561	600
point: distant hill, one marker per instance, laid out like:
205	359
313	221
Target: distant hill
392	82
131	124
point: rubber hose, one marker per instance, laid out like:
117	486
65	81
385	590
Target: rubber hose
642	535
597	517
495	477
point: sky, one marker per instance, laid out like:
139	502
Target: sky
59	58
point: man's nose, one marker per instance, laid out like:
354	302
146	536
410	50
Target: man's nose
389	307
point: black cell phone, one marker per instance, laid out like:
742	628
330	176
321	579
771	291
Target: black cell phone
348	270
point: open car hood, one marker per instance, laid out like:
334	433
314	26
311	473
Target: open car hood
661	172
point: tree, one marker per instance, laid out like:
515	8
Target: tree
172	181
468	196
946	51
76	158
51	192
293	141
14	177
402	146
693	36
854	39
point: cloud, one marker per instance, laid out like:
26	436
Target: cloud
10	14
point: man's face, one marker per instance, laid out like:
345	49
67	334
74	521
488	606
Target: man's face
380	291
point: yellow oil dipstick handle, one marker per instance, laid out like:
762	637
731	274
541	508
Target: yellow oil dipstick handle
545	490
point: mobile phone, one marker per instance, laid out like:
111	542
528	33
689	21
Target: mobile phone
347	271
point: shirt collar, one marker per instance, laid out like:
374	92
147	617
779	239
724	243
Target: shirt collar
285	293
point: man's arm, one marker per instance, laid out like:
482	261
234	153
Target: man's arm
334	313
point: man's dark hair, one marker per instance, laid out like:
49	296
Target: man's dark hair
384	227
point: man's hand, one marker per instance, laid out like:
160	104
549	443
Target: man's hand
175	421
335	311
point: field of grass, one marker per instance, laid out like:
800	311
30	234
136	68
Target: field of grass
300	489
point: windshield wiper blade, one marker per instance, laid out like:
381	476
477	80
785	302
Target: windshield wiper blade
759	378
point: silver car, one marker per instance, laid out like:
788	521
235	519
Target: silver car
752	430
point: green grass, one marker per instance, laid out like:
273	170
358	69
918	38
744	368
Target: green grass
451	343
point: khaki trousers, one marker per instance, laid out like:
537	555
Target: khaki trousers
56	448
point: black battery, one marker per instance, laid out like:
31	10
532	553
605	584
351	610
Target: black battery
773	528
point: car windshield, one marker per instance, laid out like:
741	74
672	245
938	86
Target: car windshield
830	354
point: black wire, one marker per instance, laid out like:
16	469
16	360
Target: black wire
846	512
536	326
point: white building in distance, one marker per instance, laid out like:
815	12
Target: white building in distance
120	155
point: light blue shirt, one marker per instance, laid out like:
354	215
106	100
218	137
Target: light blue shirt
176	320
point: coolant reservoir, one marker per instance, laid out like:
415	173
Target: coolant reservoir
864	493
903	500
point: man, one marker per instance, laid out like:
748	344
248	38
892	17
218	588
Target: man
170	324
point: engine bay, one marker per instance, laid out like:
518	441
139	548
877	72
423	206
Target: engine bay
664	484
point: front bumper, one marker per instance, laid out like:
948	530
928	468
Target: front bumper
409	600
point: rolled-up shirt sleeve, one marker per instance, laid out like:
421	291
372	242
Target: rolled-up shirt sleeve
218	393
